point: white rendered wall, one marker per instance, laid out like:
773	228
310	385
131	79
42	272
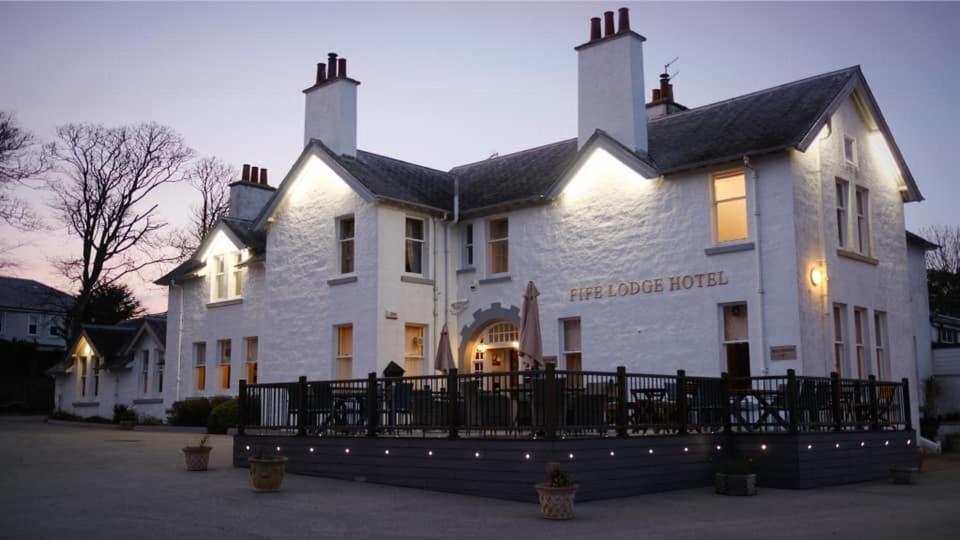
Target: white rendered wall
610	91
331	116
920	308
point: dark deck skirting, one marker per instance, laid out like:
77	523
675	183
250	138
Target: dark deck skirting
502	470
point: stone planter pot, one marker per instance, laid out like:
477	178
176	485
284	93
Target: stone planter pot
127	425
736	484
267	473
197	457
904	475
556	502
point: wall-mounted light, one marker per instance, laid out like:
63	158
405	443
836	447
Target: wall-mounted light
481	347
816	277
515	345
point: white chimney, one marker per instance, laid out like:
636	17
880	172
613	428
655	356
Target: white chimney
331	108
610	86
250	194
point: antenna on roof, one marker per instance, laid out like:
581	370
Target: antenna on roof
666	69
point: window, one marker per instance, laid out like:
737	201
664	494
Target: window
468	245
946	335
859	333
413	252
843	188
161	363
839	330
227	276
863	222
82	367
252	346
219	277
1	321
225	352
53	327
237	274
344	352
345	234
200	365
96	376
145	371
736	340
880	343
413	350
499	236
850	150
571	352
730	207
33	323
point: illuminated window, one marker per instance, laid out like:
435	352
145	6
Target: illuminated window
252	354
843	190
502	334
862	226
413	246
344	352
413	349
224	346
219	277
200	365
880	344
345	235
839	330
571	353
859	336
468	245
161	364
730	207
237	275
499	239
144	371
226	274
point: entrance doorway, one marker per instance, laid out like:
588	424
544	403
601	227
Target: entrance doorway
736	342
496	350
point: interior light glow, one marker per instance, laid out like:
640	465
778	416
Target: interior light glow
278	449
650	451
247	447
346	450
836	445
809	447
311	449
476	454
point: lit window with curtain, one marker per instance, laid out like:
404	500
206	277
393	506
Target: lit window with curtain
200	365
252	353
571	353
730	207
344	352
413	350
414	240
499	240
226	352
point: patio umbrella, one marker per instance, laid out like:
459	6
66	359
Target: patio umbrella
444	360
531	341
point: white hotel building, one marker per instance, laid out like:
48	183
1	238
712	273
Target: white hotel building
753	235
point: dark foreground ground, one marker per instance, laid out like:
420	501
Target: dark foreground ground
69	482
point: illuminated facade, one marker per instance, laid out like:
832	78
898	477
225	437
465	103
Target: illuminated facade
753	235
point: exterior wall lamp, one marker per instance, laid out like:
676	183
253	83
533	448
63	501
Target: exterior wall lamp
816	277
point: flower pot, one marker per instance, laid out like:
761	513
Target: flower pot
267	473
197	457
904	475
556	502
736	484
127	425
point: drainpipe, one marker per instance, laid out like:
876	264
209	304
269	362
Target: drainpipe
755	188
173	283
433	329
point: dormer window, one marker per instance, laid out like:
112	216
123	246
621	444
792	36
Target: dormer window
226	275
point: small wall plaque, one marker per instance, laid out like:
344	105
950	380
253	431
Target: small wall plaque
392	315
783	352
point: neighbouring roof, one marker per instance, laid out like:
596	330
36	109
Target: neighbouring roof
914	239
30	295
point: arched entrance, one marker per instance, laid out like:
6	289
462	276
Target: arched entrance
494	349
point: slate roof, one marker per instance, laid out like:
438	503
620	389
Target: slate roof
400	180
30	295
112	340
919	241
244	231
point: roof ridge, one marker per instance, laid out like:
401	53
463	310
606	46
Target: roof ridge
850	69
512	154
401	161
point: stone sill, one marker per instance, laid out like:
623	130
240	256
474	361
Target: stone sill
853	255
495	279
418	280
729	248
341	280
225	303
148	401
468	270
86	403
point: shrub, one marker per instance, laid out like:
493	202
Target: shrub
63	415
215	401
97	420
224	416
189	412
123	413
150	421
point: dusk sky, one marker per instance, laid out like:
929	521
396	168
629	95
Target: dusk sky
445	83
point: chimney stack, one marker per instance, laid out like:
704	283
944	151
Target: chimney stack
321	73
331	108
611	96
245	176
263	177
250	194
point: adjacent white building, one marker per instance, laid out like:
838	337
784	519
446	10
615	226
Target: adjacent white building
33	312
752	235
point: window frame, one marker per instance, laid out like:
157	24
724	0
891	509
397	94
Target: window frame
33	321
338	354
82	375
469	241
715	204
252	366
145	371
566	353
423	349
494	242
861	333
97	367
854	158
880	343
842	205
861	220
840	331
343	241
200	365
407	240
224	362
160	365
220	287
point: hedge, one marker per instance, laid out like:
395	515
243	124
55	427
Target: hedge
224	416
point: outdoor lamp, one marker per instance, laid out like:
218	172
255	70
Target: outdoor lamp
516	345
816	277
482	348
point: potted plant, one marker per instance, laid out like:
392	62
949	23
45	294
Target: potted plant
266	472
734	477
198	457
556	494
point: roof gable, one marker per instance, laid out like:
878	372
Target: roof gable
30	295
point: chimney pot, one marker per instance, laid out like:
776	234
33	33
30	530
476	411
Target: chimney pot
321	73
624	20
656	94
245	176
607	24
332	63
342	68
594	28
254	174
666	89
263	176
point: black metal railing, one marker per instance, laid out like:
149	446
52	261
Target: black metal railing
552	403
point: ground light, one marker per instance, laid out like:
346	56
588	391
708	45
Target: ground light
612	454
526	456
430	453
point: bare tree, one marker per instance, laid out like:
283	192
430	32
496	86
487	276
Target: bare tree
21	158
101	197
946	258
211	177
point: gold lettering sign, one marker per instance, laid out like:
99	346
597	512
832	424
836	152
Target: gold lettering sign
680	282
783	352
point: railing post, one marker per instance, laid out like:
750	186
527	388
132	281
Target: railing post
453	397
907	411
874	412
793	401
681	400
621	401
302	406
835	406
373	408
242	403
550	401
725	401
